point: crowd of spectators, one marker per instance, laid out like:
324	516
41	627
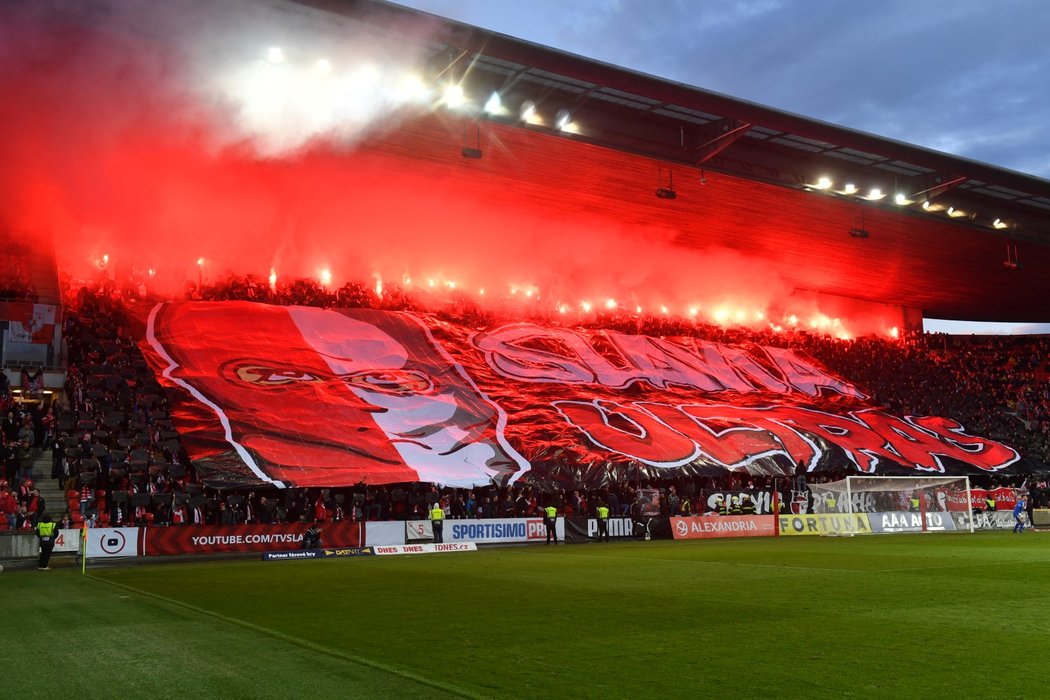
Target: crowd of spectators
117	454
25	430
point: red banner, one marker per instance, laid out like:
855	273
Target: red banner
1005	498
302	396
28	322
709	526
209	539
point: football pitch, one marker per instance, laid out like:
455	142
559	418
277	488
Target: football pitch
882	616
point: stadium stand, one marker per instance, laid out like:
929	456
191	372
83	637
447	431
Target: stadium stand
119	459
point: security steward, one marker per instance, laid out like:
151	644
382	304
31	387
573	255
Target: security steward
720	504
747	506
46	531
603	522
437	523
550	519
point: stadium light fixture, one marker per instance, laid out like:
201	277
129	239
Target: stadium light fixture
563	120
471	143
1013	261
666	192
494	105
454	96
858	230
528	112
412	89
999	224
875	194
850	188
900	199
823	183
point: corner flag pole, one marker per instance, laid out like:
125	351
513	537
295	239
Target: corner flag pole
776	508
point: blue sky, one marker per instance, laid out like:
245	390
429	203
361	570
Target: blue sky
966	77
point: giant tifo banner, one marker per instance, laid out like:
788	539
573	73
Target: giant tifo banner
303	396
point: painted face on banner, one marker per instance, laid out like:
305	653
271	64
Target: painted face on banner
320	397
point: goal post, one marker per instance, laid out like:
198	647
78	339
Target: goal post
893	504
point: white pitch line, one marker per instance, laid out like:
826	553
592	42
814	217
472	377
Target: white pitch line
817	568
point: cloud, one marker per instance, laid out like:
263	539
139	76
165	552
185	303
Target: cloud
943	75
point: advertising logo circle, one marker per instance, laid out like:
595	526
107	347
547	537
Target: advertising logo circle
113	542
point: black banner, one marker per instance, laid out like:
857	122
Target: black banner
583	529
586	529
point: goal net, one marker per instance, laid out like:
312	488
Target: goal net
864	505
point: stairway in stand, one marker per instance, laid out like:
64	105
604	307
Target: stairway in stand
54	497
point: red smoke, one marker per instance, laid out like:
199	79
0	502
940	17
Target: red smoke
116	141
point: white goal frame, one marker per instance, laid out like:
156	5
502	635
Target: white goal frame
848	486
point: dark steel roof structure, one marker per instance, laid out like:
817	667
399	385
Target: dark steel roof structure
968	240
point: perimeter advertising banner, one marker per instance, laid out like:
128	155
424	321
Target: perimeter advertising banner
994	520
707	527
445	548
104	542
911	522
580	529
303	396
500	530
825	524
209	539
68	540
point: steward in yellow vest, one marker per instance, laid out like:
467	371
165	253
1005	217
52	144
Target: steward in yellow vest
437	523
46	532
550	519
603	523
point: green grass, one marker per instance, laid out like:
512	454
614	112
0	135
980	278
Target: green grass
885	616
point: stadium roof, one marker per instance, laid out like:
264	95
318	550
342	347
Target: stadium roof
951	236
